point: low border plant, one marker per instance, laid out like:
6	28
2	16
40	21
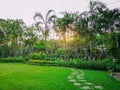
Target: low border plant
14	59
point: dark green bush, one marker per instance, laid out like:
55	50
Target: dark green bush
13	59
91	64
77	63
4	51
42	56
117	67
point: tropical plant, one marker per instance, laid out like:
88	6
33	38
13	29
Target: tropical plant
44	23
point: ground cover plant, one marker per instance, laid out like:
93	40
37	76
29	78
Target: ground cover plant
16	76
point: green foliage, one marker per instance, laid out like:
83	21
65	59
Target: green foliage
42	62
62	63
4	51
117	67
39	45
93	34
60	52
90	64
95	65
77	63
14	59
40	55
110	63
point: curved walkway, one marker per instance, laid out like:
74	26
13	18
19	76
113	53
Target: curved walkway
77	78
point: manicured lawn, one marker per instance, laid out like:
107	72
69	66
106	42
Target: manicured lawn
15	76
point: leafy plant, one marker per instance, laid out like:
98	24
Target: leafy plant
14	59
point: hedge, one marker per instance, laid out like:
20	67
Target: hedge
14	59
82	64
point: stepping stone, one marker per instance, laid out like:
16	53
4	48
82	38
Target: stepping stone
73	73
73	70
80	77
77	84
72	80
98	87
85	87
88	83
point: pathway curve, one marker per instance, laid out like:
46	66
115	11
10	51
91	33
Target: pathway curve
77	78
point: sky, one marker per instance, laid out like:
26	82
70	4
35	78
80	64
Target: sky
25	9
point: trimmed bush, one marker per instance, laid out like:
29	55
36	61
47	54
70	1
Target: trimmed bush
95	65
90	64
76	63
13	59
41	62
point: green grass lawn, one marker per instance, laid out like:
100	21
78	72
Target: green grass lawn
15	76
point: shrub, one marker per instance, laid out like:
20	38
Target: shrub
96	65
41	62
63	63
13	59
4	51
117	67
41	56
77	63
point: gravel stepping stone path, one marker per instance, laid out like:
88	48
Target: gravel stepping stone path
69	77
77	84
80	78
77	78
89	83
85	87
72	80
98	87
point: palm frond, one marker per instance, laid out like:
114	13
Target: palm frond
96	4
51	18
39	15
48	13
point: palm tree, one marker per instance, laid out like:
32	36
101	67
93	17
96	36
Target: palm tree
93	15
14	30
29	40
81	28
2	32
111	23
45	23
63	26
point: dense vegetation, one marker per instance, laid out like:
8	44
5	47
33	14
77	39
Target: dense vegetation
92	35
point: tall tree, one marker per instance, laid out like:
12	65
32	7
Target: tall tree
45	23
64	28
